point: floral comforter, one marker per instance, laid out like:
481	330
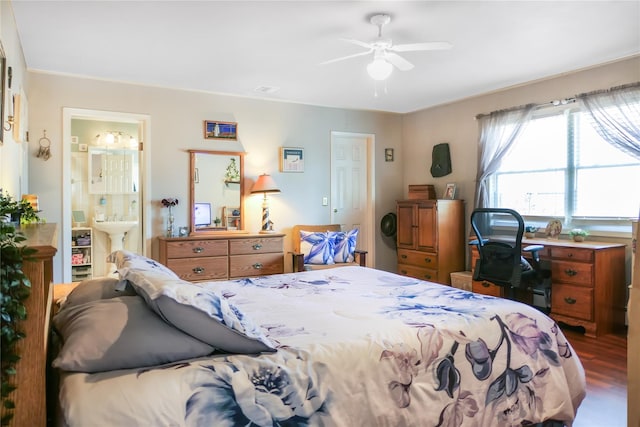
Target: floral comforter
356	347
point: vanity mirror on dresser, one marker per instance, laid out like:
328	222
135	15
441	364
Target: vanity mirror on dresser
220	250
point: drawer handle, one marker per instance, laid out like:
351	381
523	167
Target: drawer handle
198	250
257	247
427	260
427	276
403	256
198	270
570	300
258	266
486	284
403	271
569	272
570	255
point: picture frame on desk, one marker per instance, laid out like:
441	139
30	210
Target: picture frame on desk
450	192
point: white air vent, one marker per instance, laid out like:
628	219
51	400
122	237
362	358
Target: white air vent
266	90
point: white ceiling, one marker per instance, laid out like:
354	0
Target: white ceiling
233	47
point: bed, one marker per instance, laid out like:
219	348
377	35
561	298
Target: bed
352	346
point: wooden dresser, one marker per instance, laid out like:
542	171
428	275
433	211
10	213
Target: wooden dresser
430	238
587	283
223	256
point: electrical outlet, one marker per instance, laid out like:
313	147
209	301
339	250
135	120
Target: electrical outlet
325	201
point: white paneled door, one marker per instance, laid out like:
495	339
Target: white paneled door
352	186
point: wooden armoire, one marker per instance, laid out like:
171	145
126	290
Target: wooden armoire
430	238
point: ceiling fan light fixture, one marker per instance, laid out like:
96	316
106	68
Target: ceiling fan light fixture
379	69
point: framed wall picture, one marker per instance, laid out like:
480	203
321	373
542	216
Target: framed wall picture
450	192
291	159
220	130
388	154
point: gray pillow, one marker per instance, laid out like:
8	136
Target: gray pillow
97	289
119	333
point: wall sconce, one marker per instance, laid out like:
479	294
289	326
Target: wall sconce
8	124
265	184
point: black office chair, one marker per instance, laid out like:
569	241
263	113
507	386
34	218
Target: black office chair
499	241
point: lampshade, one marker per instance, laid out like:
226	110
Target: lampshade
265	184
379	69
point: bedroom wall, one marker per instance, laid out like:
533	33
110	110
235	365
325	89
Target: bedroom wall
455	123
13	161
176	126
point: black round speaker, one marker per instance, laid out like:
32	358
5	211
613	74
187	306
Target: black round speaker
389	224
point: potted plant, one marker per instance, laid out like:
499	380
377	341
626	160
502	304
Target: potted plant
14	288
217	222
578	234
530	231
18	211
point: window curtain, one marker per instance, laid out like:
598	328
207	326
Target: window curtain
498	130
615	115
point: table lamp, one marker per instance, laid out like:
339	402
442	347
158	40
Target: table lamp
265	184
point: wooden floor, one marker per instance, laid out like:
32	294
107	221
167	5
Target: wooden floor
605	364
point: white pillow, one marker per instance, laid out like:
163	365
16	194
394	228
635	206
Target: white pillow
317	247
345	245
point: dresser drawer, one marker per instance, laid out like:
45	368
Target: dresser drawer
486	288
576	273
255	246
196	248
573	254
256	265
572	301
417	258
201	268
417	272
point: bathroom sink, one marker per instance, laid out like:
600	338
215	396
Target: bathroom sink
114	227
115	230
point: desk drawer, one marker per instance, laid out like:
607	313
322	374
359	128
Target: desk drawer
576	273
574	254
197	248
417	272
572	301
417	258
255	246
256	265
486	288
196	269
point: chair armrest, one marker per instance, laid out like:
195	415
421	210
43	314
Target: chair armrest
534	249
362	257
297	261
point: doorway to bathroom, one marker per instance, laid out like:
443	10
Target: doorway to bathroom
104	194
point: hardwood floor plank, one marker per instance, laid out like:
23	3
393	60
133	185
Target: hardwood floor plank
605	364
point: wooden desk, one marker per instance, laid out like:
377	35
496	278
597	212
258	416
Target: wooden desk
587	283
30	379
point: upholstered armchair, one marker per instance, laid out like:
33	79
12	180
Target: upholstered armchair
318	247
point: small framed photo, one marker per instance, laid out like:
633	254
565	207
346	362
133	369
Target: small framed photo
291	159
450	192
220	130
83	147
388	154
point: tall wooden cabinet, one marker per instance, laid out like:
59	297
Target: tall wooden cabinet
430	238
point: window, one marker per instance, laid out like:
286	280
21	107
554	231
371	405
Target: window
561	167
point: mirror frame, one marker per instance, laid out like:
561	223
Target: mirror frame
192	165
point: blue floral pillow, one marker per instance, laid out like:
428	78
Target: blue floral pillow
317	247
345	245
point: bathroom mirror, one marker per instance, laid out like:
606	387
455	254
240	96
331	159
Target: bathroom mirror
216	191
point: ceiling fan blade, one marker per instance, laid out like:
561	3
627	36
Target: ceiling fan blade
358	43
421	46
399	62
346	57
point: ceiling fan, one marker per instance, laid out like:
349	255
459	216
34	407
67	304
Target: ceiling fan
384	51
